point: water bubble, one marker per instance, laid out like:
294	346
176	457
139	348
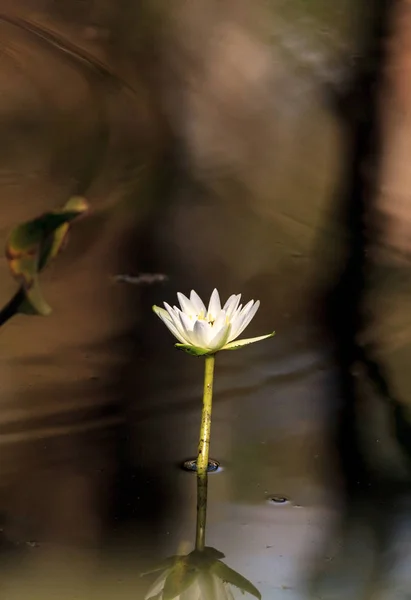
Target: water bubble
279	500
191	465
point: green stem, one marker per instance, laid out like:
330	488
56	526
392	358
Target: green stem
203	449
11	308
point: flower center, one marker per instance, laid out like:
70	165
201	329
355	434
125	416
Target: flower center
207	318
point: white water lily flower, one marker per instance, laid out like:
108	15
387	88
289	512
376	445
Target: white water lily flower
197	576
202	330
202	584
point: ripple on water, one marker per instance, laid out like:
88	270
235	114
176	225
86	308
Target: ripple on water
191	465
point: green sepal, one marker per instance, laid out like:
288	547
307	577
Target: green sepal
203	559
193	350
237	344
180	579
231	577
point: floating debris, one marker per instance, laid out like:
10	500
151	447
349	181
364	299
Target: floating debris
141	278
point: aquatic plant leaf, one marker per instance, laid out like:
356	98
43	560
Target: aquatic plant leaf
34	302
182	576
54	243
192	350
42	237
233	578
32	246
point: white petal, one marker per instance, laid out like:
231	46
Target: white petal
163	314
220	322
220	339
214	306
236	312
186	305
231	305
248	317
202	331
209	586
197	303
187	327
157	586
165	317
175	318
223	592
230	301
238	319
240	343
171	311
192	593
180	337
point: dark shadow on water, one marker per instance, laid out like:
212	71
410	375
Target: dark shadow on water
370	498
141	494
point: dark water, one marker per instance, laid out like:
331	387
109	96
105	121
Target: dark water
98	409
